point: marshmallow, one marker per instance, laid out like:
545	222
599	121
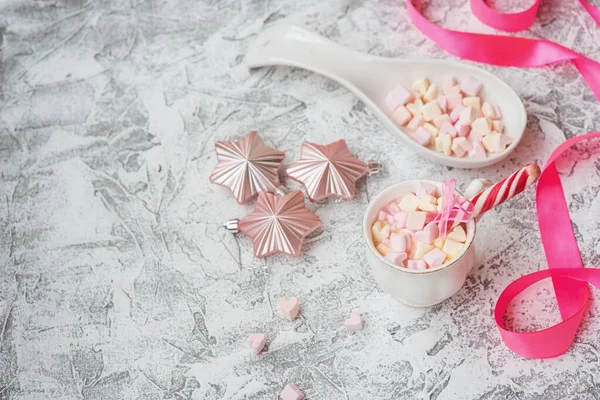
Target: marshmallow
470	86
431	110
416	107
289	308
427	203
474	102
409	202
257	342
461	146
416	220
417	264
481	127
453	101
477	152
387	242
458	234
291	392
422	136
400	242
462	130
401	115
392	207
455	114
431	93
434	258
467	116
400	218
441	120
439	243
428	234
497	112
382	215
419	250
448	129
498	126
424	189
431	128
380	231
396	258
383	249
415	123
421	86
354	323
488	110
398	97
494	143
451	87
443	144
452	248
443	103
390	219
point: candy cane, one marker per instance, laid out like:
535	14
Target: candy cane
505	189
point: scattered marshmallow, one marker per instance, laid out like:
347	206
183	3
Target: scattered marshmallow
441	120
474	102
396	258
380	231
434	258
422	136
443	144
481	127
257	342
416	220
398	97
451	87
453	101
400	242
289	308
455	114
461	146
401	115
430	111
409	202
452	248
354	322
417	264
291	392
470	86
400	218
421	86
419	250
416	107
443	103
432	93
415	123
458	234
448	129
383	249
431	128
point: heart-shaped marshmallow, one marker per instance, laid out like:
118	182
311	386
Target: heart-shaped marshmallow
289	308
354	323
257	342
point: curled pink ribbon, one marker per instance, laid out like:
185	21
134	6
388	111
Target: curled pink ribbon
456	209
564	260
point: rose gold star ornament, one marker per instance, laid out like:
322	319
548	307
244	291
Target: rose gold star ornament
329	170
247	167
278	224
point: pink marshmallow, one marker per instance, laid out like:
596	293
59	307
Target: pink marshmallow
401	115
390	219
443	103
382	215
434	258
354	323
416	220
387	242
477	152
397	97
257	342
424	189
428	234
450	87
396	258
470	86
422	136
441	120
448	129
400	218
417	264
400	242
455	114
462	130
291	392
392	207
453	101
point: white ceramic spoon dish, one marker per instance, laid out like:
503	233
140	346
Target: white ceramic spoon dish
371	78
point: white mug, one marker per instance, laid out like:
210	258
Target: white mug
417	288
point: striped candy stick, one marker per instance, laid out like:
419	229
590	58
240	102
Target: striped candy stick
505	189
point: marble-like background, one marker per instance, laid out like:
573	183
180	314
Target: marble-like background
116	280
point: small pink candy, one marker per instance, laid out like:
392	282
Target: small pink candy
397	97
399	242
291	392
415	123
450	87
425	189
400	218
455	114
354	323
470	86
417	264
477	152
441	120
382	215
390	219
422	136
387	242
396	258
428	234
462	130
443	103
392	208
448	129
257	342
434	258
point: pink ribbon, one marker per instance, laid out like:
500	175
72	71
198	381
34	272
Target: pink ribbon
564	260
455	209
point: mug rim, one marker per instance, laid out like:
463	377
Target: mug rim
370	245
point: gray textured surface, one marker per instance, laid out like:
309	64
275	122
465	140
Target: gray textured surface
116	280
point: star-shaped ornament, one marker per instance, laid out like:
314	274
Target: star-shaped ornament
278	224
247	167
328	170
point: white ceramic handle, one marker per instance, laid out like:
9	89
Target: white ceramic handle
293	46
